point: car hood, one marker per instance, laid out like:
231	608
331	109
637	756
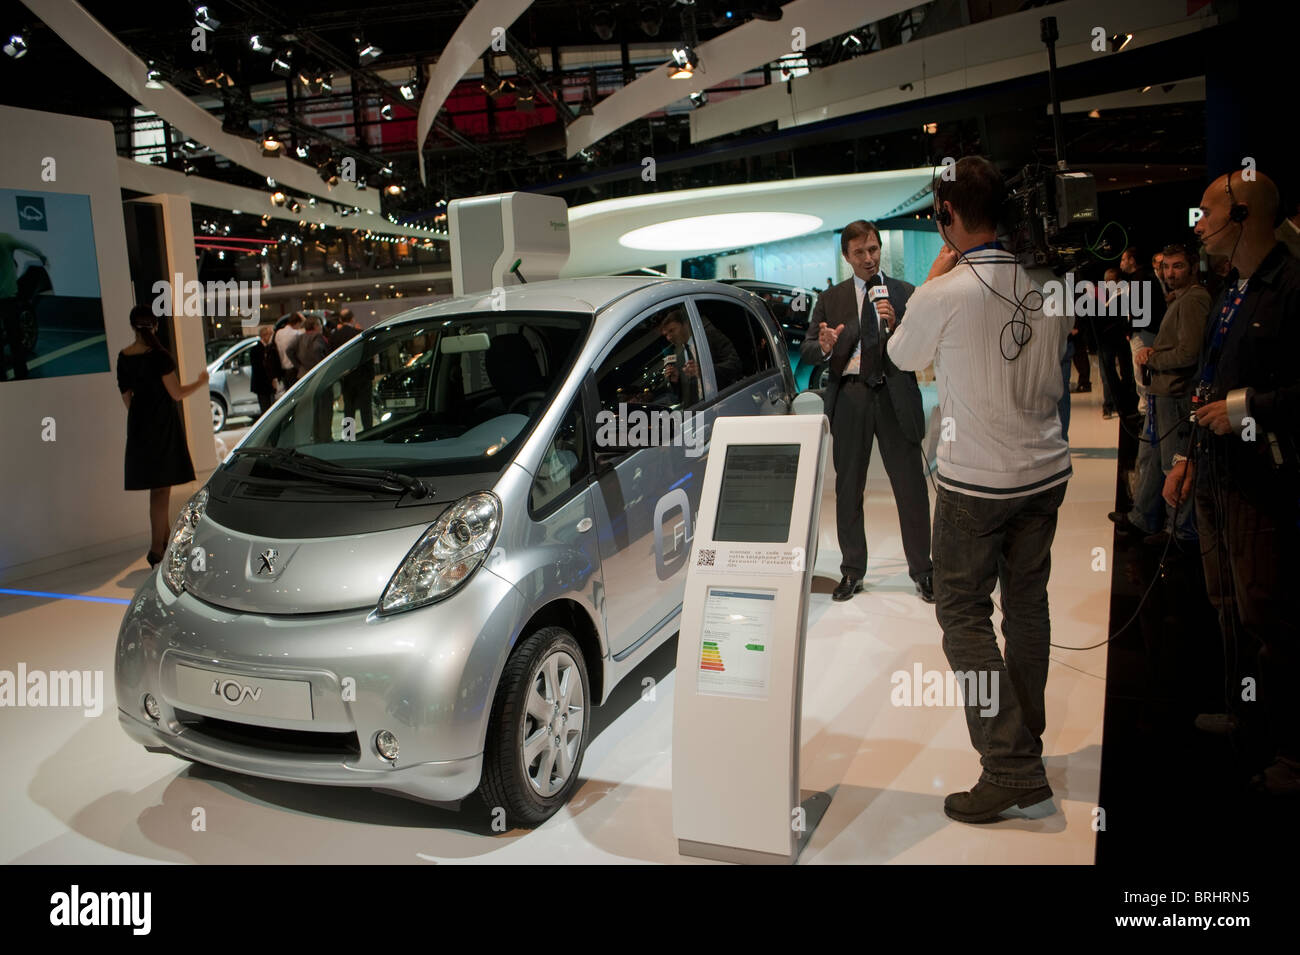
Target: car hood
286	575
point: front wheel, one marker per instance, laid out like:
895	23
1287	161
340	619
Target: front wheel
218	413
538	732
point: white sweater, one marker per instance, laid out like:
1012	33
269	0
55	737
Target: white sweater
1000	433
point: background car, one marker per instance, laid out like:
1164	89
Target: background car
430	601
790	307
230	383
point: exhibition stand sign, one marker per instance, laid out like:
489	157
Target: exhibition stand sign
736	710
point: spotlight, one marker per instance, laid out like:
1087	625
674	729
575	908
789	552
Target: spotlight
1119	40
17	45
282	65
270	181
652	17
386	111
393	189
852	40
407	90
366	51
257	46
294	206
271	145
153	79
278	198
301	152
205	19
602	22
685	60
699	98
329	172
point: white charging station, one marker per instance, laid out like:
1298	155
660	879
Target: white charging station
489	233
738	694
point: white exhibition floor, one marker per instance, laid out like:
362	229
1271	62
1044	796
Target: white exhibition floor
75	790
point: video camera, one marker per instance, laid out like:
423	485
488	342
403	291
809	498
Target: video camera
1046	213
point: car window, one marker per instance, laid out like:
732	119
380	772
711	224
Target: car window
243	361
564	464
654	363
431	396
739	347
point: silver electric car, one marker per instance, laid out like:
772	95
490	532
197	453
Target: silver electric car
230	383
421	568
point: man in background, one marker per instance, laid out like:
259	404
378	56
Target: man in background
284	339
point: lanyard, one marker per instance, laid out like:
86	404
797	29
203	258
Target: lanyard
1231	303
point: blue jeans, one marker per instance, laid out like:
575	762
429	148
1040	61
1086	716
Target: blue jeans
1150	513
979	542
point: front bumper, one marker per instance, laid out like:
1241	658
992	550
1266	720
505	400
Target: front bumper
426	675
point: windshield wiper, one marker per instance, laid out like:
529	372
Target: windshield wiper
307	465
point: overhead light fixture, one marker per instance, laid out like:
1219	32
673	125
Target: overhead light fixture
930	128
685	60
853	40
282	65
386	111
294	206
329	172
602	23
720	231
1119	40
366	51
270	181
257	46
393	189
271	145
278	198
153	79
1094	114
407	90
17	45
205	19
699	98
651	18
301	152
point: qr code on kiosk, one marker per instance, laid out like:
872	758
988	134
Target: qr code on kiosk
706	558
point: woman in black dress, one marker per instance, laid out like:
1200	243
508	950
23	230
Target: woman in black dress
157	456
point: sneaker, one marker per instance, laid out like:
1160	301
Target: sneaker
1218	724
988	802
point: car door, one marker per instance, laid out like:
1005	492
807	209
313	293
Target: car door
751	374
645	498
239	381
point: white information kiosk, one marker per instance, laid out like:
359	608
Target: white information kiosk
738	694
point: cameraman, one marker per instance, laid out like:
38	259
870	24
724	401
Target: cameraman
1002	477
1243	473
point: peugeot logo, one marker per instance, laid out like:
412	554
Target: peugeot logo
268	560
234	692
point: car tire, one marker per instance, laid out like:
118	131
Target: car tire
526	788
218	413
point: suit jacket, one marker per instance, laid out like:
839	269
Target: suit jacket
838	306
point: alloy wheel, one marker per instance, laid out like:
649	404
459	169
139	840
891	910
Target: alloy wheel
554	721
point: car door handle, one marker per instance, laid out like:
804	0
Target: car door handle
584	525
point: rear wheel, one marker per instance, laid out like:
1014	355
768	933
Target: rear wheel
538	732
218	413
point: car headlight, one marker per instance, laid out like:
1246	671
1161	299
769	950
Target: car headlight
177	554
446	555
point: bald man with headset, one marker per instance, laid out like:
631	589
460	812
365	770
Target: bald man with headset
1003	467
1243	472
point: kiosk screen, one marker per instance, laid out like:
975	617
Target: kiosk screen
757	493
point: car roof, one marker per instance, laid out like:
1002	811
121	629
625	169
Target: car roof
590	295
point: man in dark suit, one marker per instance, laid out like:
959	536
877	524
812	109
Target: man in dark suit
868	399
684	368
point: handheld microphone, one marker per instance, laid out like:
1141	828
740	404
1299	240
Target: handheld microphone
875	294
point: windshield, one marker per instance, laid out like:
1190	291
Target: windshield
429	397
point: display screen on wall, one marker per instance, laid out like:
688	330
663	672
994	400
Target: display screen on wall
51	312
